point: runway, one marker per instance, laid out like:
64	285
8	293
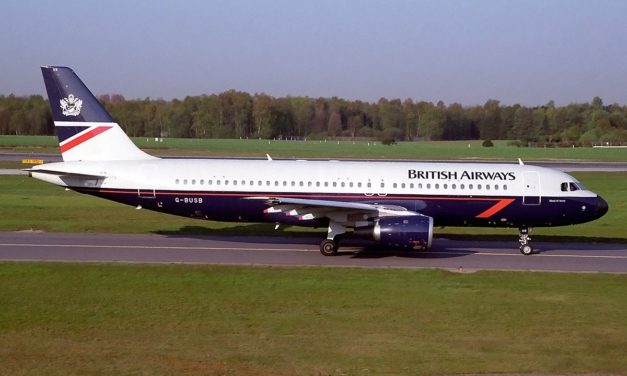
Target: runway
458	255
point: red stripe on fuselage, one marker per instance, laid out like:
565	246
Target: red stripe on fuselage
84	137
496	208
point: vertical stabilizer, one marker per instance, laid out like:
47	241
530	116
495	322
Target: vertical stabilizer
85	130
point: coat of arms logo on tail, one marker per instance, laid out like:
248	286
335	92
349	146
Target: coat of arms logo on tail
71	106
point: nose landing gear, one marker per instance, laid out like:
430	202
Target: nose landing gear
524	239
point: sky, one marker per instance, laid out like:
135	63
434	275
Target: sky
527	52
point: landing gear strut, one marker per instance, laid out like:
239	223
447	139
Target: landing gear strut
329	246
524	239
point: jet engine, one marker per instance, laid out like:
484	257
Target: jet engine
411	231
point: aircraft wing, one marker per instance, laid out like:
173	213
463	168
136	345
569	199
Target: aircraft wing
340	211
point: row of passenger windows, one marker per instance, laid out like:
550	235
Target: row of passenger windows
334	184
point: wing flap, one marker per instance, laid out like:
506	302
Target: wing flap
349	212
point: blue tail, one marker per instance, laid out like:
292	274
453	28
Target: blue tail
85	129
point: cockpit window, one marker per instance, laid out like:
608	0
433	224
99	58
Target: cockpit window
572	186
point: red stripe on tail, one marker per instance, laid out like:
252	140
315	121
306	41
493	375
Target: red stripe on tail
86	136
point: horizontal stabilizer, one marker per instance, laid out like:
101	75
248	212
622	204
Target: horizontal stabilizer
63	173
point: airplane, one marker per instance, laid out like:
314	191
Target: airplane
396	204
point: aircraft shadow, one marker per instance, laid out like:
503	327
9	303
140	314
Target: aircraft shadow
446	246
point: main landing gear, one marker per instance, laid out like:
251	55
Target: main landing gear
329	246
524	239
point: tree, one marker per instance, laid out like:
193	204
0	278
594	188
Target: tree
335	124
490	122
431	124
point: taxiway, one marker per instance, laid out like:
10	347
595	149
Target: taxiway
459	255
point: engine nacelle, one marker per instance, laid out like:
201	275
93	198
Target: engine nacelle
412	231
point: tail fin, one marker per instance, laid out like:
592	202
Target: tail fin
85	130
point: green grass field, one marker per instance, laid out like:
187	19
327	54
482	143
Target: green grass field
441	150
29	204
64	319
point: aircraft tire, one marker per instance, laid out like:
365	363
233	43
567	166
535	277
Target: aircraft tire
526	249
328	247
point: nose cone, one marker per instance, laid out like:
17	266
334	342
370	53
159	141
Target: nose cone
600	207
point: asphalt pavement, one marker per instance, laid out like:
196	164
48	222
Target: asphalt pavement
457	255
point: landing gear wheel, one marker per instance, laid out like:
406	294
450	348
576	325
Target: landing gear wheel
526	249
328	247
524	239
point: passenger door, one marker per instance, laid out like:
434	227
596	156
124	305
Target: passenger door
531	188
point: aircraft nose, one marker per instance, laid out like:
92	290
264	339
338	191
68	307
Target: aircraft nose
600	207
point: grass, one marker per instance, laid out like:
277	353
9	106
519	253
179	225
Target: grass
29	204
61	319
441	150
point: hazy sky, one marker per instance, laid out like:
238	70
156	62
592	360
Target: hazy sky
524	52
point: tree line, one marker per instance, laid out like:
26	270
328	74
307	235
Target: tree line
236	114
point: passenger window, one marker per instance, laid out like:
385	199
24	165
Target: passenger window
217	182
326	183
300	183
462	186
243	182
369	185
445	186
284	183
176	181
402	185
411	185
350	184
487	187
478	186
394	185
342	184
469	186
309	184
382	185
334	184
226	182
496	187
210	182
504	187
428	185
454	186
293	183
234	182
